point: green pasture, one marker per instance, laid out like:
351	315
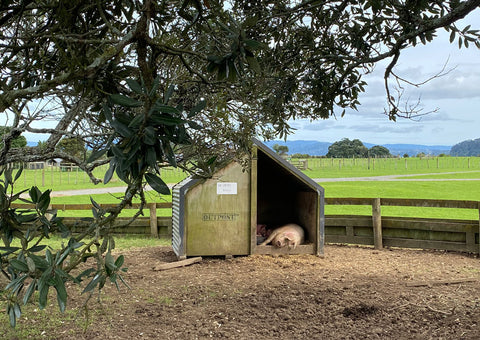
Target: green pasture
122	242
67	178
363	167
452	172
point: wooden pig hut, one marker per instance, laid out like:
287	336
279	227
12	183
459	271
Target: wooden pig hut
219	216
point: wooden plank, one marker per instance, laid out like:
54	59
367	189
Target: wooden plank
424	244
181	263
363	240
428	224
430	203
348	220
348	201
271	250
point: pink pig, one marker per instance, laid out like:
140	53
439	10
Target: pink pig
289	235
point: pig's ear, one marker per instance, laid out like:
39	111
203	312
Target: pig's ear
289	236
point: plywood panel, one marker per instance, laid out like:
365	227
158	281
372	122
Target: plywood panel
218	214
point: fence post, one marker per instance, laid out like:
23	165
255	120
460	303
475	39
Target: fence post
153	219
377	223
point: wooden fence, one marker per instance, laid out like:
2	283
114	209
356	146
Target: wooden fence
376	230
424	233
156	226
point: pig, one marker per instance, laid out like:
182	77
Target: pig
290	235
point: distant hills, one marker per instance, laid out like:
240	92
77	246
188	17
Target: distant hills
466	148
315	148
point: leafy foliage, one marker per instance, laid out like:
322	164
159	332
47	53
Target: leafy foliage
347	148
379	151
73	146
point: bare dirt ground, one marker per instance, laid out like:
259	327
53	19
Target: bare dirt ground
352	293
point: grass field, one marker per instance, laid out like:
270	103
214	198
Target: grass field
363	167
453	174
53	178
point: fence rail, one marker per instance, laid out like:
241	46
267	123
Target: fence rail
376	230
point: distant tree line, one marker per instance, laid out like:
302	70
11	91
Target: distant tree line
466	148
344	148
347	148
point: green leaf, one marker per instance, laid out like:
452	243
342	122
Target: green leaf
43	295
117	152
109	174
44	201
124	100
19	265
48	257
137	121
8	177
161	107
149	136
61	293
17	284
119	261
110	262
151	156
34	193
155	85
19	172
8	250
40	262
134	86
29	291
30	264
107	113
157	184
63	256
93	283
121	128
11	316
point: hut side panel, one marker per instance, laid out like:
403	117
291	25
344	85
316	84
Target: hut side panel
217	214
307	213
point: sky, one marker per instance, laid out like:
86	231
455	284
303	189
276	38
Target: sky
455	95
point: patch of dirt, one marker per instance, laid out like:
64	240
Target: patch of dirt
352	293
